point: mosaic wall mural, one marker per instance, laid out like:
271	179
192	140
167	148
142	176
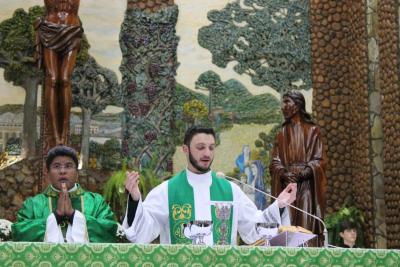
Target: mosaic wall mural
134	70
148	70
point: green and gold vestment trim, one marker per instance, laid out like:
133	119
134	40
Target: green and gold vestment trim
182	207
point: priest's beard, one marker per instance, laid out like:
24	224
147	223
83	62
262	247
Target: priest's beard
197	166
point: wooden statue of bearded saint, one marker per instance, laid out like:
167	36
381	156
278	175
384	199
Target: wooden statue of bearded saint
58	39
298	157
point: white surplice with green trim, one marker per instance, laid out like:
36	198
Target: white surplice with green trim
152	218
75	233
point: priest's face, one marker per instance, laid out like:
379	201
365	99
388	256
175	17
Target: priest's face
200	152
63	170
289	108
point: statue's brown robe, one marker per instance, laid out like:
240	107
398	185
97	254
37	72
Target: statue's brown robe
298	145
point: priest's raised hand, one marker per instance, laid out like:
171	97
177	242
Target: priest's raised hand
288	195
132	185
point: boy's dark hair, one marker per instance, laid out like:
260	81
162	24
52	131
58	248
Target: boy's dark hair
192	131
61	151
347	225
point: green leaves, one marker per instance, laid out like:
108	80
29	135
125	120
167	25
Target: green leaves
195	110
17	46
93	86
209	80
237	102
114	191
351	214
267	40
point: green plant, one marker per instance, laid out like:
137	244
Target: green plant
350	214
114	191
149	178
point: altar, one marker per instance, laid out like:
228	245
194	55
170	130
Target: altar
44	254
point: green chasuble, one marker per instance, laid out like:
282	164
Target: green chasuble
182	207
32	217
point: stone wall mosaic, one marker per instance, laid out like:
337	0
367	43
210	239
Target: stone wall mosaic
375	112
340	102
355	51
388	33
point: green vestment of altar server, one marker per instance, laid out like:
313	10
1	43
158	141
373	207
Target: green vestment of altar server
32	217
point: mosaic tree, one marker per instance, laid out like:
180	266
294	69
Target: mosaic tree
230	101
148	43
93	88
211	82
195	111
17	47
267	40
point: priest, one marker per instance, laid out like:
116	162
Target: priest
64	212
194	195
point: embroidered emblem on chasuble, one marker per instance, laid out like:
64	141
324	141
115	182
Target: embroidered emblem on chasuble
182	208
181	214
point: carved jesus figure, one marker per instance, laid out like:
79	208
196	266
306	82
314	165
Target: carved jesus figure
298	157
58	38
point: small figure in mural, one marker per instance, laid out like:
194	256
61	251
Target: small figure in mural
298	157
257	181
253	176
188	197
58	39
64	212
243	161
